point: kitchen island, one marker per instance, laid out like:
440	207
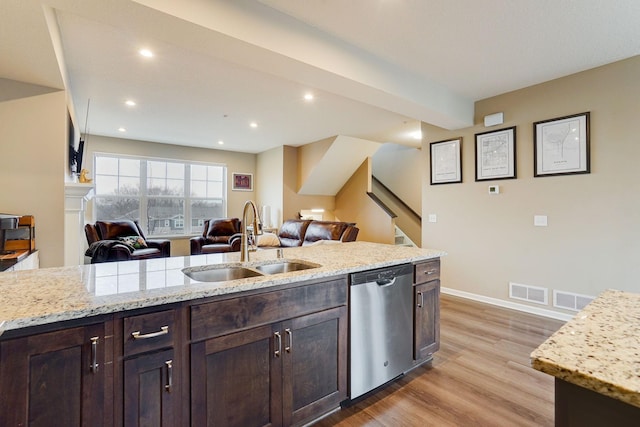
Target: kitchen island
595	359
140	339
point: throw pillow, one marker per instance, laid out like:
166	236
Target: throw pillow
268	239
134	242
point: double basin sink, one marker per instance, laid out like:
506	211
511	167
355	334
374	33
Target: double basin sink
223	273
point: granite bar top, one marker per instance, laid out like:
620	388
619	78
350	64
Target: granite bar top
42	296
599	349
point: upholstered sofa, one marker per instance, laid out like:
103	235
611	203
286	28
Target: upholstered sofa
218	236
122	241
301	232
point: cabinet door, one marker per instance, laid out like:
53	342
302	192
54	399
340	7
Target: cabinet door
150	396
236	379
427	319
315	364
54	378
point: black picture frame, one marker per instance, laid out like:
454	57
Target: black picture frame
562	146
446	161
495	153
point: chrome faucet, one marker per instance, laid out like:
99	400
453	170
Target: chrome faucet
244	242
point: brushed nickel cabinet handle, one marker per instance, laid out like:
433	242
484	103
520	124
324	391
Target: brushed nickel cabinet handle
431	272
138	336
421	300
169	384
94	355
287	348
278	339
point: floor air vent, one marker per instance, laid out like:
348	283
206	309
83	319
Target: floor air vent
570	301
528	293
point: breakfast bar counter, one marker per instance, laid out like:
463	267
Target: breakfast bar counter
38	297
595	359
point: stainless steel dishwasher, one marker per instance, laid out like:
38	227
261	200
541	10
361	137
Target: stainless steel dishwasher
381	327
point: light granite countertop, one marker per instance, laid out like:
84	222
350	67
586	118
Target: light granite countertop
42	296
599	349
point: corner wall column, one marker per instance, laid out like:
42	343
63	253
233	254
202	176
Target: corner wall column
75	197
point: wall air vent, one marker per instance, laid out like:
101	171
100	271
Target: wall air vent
528	293
570	301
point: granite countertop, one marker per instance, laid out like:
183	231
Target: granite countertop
41	296
599	349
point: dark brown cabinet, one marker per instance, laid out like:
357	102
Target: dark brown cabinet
426	299
54	378
149	395
151	380
283	372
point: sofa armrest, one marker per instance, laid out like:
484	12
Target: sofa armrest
235	241
163	244
350	234
196	244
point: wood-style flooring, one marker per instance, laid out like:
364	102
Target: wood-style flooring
481	376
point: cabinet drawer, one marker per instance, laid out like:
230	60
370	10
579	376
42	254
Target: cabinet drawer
147	332
427	271
222	317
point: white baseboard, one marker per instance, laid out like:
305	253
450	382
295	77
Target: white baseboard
508	304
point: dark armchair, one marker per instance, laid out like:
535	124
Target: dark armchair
218	236
122	241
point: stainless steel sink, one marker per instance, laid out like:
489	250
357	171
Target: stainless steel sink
220	274
284	267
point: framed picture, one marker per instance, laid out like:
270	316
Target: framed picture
446	161
561	146
496	154
242	182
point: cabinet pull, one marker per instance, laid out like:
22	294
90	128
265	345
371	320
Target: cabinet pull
278	344
430	272
94	355
169	384
137	336
420	299
287	348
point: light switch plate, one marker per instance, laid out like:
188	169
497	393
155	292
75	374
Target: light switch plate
494	189
540	220
433	218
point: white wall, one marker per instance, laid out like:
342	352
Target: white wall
269	183
592	241
33	167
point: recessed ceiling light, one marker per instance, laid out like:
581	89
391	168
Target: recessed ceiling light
308	97
253	124
122	130
146	53
221	142
130	103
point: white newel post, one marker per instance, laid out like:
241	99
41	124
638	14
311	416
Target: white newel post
76	196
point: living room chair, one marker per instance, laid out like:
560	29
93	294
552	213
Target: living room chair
122	241
219	235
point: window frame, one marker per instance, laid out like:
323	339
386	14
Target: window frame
143	196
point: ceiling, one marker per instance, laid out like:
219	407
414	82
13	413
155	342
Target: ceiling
377	68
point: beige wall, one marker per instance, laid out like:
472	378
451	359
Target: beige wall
592	240
400	169
354	205
33	167
294	202
235	162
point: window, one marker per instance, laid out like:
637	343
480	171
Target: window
162	195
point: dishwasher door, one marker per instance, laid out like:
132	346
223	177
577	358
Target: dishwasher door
381	327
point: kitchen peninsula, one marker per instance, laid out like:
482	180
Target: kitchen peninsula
595	359
270	348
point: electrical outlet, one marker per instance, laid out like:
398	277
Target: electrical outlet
540	220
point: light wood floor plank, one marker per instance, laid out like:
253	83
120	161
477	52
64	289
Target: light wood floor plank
480	376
